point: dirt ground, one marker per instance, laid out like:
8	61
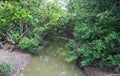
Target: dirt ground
17	58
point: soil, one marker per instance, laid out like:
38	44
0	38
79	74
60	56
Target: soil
17	58
95	71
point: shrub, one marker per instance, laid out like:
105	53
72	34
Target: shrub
29	44
28	21
5	69
96	34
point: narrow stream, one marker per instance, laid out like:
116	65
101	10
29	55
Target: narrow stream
50	62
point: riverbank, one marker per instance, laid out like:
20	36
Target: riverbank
17	59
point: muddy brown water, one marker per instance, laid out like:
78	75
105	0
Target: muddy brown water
50	62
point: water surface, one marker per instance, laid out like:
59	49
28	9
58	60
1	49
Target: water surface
50	62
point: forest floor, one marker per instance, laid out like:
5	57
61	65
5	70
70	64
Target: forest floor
17	58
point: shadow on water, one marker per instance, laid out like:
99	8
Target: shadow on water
50	62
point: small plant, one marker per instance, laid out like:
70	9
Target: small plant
5	69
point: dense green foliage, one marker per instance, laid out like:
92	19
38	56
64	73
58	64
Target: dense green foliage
93	27
5	69
28	22
96	33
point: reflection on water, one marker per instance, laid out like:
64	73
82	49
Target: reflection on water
50	62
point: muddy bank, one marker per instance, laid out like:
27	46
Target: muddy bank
94	70
17	59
